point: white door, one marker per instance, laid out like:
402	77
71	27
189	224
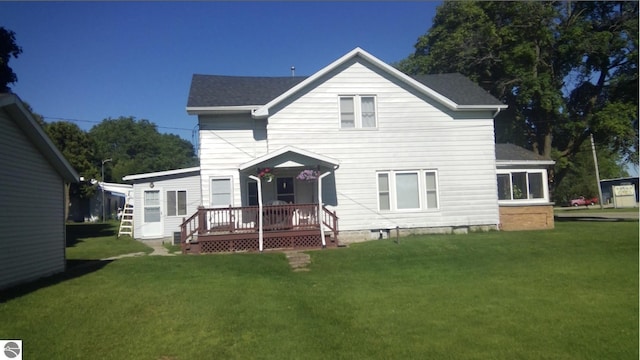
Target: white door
152	217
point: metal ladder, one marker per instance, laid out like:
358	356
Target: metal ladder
126	221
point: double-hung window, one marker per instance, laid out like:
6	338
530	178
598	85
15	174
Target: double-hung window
176	203
407	190
523	185
221	192
358	112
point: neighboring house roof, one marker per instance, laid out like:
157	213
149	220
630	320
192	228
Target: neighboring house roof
161	174
116	189
260	94
12	104
509	154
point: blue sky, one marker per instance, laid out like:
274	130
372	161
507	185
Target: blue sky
87	61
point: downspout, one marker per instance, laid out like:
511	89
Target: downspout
324	241
260	231
496	113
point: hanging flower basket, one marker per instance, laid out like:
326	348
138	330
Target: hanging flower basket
265	174
308	175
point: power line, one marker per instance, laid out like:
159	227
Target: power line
98	122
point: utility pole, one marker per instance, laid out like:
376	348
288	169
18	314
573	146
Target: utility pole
595	162
103	212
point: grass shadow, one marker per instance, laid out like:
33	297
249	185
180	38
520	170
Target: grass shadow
76	232
590	218
75	269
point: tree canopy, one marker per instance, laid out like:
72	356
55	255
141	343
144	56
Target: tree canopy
8	49
565	69
136	146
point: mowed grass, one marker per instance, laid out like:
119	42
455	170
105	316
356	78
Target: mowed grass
569	293
94	241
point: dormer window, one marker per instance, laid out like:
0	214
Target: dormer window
358	112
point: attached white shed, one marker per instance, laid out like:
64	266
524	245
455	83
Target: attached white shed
162	200
33	174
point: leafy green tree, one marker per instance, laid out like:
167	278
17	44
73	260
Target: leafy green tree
135	146
8	49
580	178
566	70
78	149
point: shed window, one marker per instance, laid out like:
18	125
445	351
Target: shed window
176	203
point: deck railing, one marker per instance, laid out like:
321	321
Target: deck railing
246	219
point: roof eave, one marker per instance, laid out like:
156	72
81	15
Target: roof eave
42	141
160	174
525	163
286	149
210	110
480	107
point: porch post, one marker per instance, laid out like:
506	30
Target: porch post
324	241
260	239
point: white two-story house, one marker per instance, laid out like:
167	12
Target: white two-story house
356	151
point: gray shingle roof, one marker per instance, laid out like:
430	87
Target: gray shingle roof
458	88
217	90
510	152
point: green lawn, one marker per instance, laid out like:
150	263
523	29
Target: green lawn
93	241
570	293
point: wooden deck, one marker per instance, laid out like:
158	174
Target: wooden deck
236	229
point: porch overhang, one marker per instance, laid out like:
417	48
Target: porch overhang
290	156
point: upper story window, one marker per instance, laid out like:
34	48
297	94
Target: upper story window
523	185
358	112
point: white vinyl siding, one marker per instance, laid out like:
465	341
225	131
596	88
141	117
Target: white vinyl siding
32	244
357	111
221	192
522	186
187	183
176	203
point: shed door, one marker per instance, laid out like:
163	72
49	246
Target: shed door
152	217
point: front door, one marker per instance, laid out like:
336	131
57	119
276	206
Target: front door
284	189
152	214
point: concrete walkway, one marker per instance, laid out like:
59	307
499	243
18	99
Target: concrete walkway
156	245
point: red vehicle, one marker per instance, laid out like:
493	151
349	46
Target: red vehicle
582	201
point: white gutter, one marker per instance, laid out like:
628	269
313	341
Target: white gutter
324	241
260	231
